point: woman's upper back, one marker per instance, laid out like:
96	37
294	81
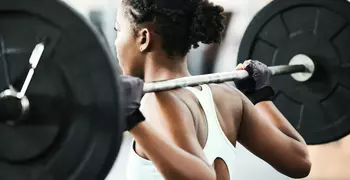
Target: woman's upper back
227	102
217	104
177	116
228	107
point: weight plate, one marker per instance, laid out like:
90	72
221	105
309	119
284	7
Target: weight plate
73	129
320	29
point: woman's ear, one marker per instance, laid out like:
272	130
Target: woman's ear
144	39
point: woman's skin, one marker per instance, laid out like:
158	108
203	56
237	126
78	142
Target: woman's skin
174	132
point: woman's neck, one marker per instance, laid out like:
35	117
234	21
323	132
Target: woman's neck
160	67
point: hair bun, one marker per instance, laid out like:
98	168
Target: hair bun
207	24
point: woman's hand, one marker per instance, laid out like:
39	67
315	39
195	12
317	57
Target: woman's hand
257	86
259	72
132	91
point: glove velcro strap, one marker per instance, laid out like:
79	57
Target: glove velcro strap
264	94
134	119
245	85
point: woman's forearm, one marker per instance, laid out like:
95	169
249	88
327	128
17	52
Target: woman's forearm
170	160
270	111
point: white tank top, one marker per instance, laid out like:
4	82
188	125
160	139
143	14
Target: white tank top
216	147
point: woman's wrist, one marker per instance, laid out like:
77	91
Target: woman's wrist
139	128
134	119
264	94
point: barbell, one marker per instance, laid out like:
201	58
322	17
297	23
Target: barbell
301	68
59	89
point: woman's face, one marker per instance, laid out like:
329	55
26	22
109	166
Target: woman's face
128	51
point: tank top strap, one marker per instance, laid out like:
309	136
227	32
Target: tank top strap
206	101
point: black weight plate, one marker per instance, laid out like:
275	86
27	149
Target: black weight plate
73	129
320	29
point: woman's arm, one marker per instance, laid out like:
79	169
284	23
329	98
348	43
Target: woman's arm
268	110
172	161
261	75
267	134
171	142
264	130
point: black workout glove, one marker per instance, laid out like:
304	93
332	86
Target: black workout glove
132	88
257	86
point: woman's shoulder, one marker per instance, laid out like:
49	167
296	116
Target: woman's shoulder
167	103
225	92
164	98
180	97
227	99
167	113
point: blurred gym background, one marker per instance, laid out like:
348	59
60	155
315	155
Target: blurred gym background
206	59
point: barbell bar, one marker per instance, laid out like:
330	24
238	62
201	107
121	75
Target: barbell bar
300	65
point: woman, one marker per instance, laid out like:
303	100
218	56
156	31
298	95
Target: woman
191	133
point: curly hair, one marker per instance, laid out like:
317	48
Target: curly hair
181	24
